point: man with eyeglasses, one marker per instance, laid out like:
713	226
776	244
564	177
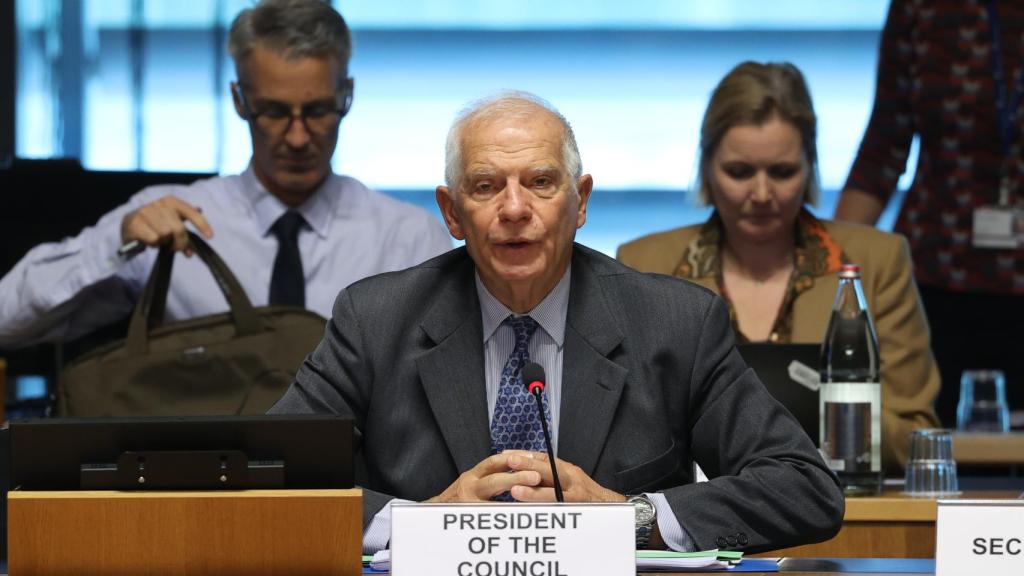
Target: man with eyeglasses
291	230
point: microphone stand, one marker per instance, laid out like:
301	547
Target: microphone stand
537	391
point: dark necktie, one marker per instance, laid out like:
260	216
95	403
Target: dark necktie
516	423
287	284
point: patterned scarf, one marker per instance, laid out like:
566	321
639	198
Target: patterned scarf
815	254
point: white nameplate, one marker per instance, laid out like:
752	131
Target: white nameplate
528	539
979	537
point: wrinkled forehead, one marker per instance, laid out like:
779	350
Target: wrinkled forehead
526	139
269	70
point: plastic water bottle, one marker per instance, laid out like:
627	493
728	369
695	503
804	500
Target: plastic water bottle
850	404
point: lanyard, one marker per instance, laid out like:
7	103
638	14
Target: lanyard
1007	106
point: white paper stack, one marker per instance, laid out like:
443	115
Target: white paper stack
703	561
645	560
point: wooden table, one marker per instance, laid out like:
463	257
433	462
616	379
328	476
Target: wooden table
892	525
811	567
840	566
989	449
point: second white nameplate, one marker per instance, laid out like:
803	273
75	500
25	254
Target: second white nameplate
979	537
534	539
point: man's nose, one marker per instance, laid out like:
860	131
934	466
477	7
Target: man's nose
297	135
515	202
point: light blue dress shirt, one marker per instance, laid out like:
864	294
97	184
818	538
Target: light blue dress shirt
64	289
546	349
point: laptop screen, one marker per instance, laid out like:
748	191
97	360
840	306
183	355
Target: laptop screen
193	452
774	366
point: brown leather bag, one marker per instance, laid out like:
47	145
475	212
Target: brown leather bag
239	362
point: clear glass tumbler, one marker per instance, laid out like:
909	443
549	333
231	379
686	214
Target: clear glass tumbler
982	406
931	469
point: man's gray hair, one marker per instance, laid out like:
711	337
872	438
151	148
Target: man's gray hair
509	104
292	28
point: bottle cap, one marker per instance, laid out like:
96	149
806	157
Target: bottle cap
849	271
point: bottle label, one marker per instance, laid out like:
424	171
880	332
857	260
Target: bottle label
850	426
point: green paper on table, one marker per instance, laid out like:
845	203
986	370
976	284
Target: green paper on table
645	559
720	554
703	560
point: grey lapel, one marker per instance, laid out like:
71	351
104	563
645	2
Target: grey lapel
452	372
591	383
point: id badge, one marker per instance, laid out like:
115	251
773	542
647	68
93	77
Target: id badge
998	227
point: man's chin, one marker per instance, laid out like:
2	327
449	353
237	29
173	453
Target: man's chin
518	272
292	185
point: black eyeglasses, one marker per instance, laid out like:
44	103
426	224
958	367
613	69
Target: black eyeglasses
275	118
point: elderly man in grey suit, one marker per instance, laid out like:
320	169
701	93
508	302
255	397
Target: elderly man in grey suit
642	376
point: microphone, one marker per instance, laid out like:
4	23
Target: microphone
533	378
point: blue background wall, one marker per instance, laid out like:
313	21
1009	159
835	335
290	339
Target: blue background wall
633	80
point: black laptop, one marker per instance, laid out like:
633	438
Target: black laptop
773	364
195	452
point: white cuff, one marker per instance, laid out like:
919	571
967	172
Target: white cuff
378	534
672	532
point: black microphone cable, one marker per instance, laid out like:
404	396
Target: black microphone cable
533	377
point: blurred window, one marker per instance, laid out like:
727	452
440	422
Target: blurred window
143	85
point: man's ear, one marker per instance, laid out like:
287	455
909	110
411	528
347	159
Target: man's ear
584	186
236	98
446	203
348	86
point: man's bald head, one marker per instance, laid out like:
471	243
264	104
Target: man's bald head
505	106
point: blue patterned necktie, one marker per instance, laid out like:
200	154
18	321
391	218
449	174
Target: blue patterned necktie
516	424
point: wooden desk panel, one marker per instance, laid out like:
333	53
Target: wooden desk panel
222	532
892	525
872	540
989	449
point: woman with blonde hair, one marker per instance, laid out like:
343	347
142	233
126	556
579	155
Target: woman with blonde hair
773	262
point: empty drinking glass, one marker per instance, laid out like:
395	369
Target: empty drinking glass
982	406
931	469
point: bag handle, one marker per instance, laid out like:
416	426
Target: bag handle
149	310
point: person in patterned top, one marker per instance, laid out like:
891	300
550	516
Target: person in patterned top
952	73
773	262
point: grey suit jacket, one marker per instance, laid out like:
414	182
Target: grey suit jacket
651	382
